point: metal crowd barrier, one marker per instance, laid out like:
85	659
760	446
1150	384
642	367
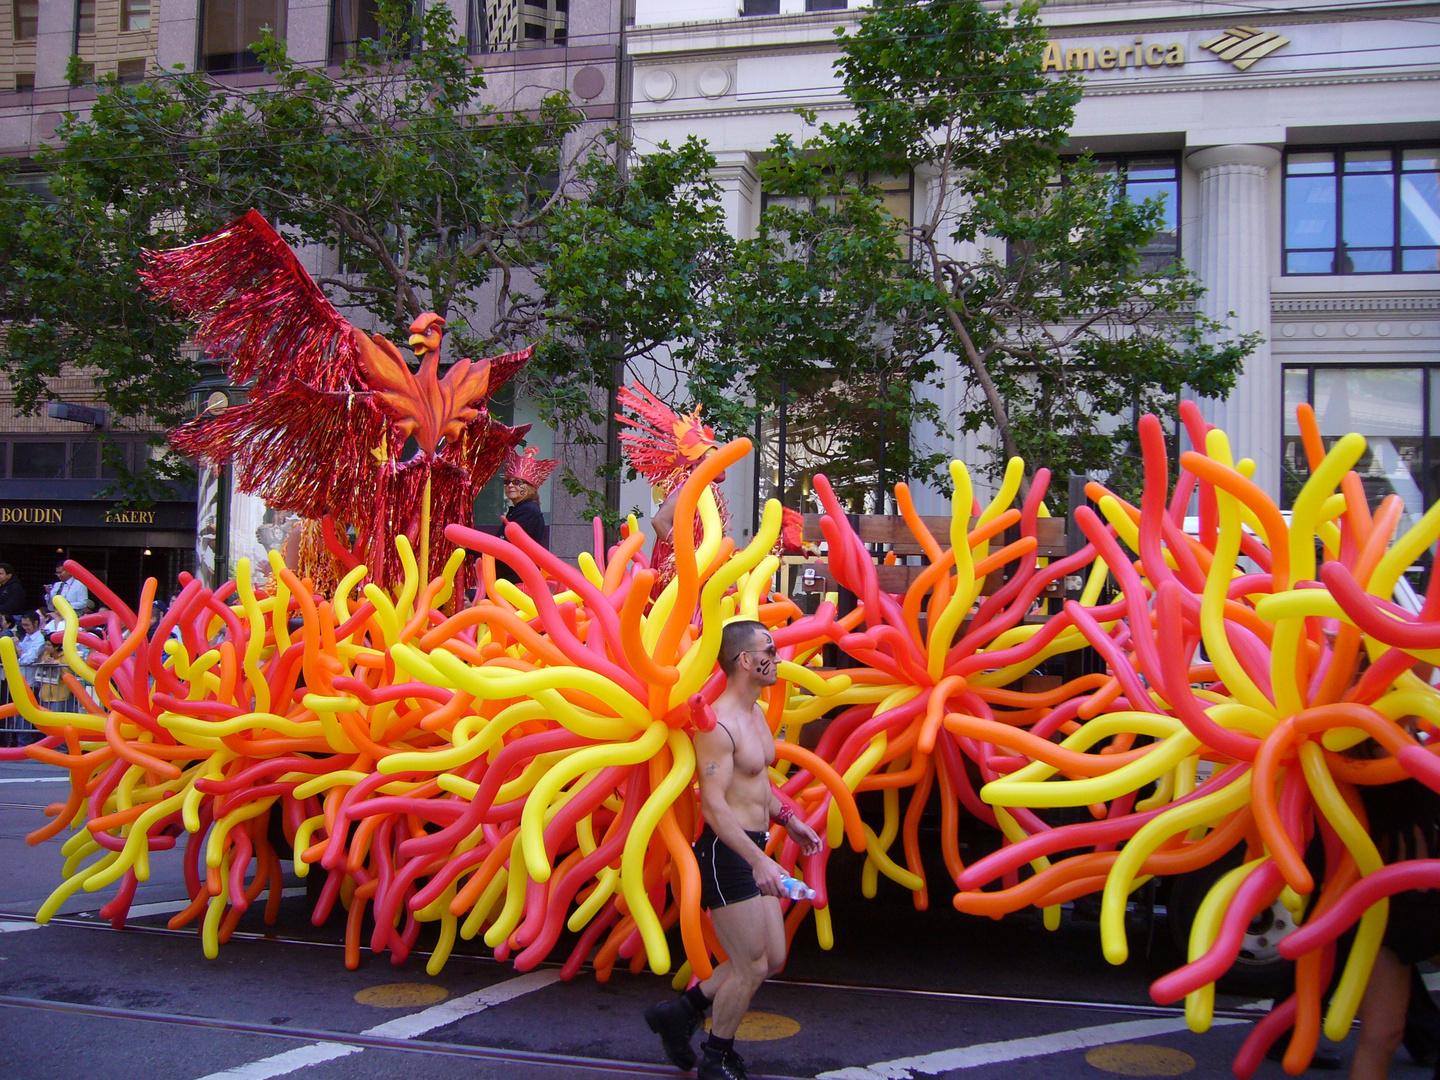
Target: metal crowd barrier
49	689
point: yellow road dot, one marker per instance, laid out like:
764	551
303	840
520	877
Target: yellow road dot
763	1027
402	995
1140	1059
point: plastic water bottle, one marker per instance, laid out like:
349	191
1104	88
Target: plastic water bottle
796	889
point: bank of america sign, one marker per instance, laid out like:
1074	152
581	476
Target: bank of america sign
1243	45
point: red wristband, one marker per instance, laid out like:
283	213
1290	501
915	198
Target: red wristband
784	815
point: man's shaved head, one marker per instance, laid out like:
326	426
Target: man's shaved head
736	638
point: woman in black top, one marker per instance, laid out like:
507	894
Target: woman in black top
524	475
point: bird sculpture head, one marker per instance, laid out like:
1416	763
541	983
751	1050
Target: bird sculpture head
426	333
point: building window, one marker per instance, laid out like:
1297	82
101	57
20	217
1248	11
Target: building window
229	29
534	32
1396	408
354	21
761	7
351	22
39	460
131	71
72	459
27	19
825	5
24	81
1138	177
1144	176
896	194
134	15
1369	210
85	16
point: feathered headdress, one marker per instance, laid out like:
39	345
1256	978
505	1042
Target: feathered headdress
529	467
662	447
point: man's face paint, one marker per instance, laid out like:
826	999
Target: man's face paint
764	659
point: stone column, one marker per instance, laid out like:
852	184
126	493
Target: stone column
54	44
1233	260
178	42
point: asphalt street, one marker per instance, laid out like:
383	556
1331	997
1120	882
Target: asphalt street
902	994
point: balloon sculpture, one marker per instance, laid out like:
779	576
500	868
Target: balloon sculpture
522	765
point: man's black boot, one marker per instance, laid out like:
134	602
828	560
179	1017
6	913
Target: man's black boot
675	1022
720	1064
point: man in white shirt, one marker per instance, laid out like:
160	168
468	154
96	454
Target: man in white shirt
71	588
31	644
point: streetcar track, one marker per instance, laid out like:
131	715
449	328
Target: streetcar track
1136	1008
370	1042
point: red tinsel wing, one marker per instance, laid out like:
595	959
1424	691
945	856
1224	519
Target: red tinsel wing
296	448
504	367
481	450
257	308
396	511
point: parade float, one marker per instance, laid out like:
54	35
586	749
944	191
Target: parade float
520	766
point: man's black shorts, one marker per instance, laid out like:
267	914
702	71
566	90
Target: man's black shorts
725	878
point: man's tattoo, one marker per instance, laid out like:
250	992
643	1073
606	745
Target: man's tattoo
711	768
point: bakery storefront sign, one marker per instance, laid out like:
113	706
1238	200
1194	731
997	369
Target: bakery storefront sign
98	515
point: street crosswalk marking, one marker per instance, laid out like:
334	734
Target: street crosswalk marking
968	1057
411	1026
61	779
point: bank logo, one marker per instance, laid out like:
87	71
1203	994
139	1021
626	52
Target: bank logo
1243	45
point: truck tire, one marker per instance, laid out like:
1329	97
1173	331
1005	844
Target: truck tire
1259	970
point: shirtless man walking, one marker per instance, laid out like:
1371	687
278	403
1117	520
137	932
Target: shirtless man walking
740	885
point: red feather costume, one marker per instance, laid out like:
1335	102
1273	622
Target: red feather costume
664	448
331	409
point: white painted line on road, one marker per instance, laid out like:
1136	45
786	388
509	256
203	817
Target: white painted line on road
167	907
967	1057
447	1012
62	779
301	1057
404	1027
1263	1005
164	907
1432	980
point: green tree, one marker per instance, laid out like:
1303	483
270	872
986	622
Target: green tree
821	311
630	275
1037	285
433	196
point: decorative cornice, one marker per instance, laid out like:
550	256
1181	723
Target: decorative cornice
1258	82
1307	304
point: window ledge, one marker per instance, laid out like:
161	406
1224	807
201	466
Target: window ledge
1355	283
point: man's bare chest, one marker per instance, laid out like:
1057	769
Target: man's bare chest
754	746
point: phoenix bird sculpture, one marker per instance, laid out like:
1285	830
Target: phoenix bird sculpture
336	427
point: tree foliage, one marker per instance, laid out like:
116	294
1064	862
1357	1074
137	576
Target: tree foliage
421	192
1037	285
523	225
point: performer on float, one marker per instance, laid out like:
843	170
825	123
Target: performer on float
525	475
665	447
